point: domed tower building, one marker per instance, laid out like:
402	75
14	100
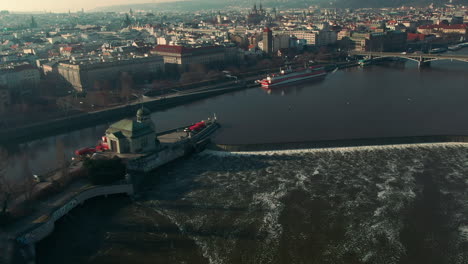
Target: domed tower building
144	116
133	136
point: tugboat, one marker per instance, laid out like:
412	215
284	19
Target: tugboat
289	75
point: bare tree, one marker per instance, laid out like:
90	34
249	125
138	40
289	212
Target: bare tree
62	161
28	183
126	86
190	77
198	68
6	183
213	74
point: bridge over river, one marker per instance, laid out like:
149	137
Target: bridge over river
420	58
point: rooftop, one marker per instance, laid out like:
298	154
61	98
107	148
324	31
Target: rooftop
129	128
184	50
172	137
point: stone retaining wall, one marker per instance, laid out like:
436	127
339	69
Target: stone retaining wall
64	125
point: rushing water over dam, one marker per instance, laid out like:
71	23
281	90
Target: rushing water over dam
377	205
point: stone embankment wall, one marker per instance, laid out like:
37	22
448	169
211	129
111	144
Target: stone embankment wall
339	143
41	229
63	125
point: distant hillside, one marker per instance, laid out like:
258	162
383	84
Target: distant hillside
197	5
183	5
390	3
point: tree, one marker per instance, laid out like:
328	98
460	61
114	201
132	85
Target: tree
197	67
265	64
62	161
126	86
6	184
27	182
190	77
213	74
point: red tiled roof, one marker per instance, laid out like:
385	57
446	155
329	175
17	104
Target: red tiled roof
181	49
441	26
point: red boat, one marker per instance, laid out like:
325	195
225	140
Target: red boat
289	76
85	151
198	126
103	146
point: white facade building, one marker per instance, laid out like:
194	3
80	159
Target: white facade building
19	79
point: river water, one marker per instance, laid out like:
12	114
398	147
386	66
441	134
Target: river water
378	101
362	205
379	205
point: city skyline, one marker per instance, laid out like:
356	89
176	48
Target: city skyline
64	6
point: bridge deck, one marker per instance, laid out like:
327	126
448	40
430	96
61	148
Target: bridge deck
412	56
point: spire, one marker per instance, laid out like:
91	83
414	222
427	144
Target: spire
33	23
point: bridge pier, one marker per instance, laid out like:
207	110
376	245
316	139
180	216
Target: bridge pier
424	64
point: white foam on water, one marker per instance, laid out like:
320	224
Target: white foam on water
211	255
464	232
384	192
271	202
301	177
333	149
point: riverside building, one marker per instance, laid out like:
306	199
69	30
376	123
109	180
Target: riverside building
83	75
19	79
184	56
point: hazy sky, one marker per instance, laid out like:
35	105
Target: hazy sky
64	5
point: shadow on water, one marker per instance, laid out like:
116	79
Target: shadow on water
170	183
116	230
320	226
426	234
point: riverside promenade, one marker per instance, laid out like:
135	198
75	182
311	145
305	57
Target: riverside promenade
17	241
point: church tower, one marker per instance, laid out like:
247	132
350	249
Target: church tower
267	40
